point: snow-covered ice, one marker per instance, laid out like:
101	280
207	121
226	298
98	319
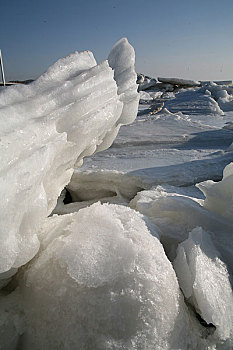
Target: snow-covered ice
106	271
134	249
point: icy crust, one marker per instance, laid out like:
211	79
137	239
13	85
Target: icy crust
47	127
204	280
102	281
219	195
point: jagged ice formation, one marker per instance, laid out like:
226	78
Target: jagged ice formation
108	276
71	111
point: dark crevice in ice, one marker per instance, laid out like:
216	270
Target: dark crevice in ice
209	327
11	286
204	323
68	197
19	345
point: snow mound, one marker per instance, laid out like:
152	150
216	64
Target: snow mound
204	280
109	280
71	111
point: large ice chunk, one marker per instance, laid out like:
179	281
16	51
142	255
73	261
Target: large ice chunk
177	211
219	195
102	281
204	280
46	127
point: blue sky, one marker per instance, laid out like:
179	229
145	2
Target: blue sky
179	38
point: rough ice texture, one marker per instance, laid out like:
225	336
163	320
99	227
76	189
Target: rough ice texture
219	195
71	111
176	212
204	280
101	278
204	256
102	281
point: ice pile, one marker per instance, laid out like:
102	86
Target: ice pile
223	94
197	237
154	276
71	111
217	96
106	271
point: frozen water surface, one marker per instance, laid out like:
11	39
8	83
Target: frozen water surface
127	248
